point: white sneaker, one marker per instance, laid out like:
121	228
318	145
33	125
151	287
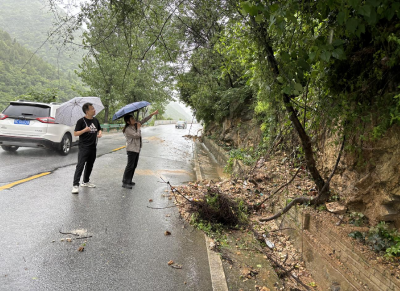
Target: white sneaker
75	190
88	184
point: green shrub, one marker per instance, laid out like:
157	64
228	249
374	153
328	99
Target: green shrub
380	238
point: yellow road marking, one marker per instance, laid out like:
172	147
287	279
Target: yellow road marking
118	149
8	186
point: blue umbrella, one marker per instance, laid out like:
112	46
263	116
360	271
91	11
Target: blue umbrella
130	108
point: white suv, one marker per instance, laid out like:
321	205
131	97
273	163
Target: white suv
32	124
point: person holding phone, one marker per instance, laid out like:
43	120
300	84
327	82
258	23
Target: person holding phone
89	130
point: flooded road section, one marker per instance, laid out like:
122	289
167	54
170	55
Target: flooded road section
186	150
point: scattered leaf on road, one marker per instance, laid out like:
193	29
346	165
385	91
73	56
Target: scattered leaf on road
170	262
167	232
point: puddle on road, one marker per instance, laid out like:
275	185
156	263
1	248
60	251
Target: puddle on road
153	138
145	172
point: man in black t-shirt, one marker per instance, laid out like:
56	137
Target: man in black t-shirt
88	129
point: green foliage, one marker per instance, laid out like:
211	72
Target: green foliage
241	154
45	96
217	83
205	226
381	239
337	61
334	62
25	76
395	111
358	219
358	236
121	67
30	24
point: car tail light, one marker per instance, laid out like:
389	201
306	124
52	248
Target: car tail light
46	119
3	116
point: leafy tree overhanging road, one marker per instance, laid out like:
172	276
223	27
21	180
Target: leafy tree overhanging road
321	66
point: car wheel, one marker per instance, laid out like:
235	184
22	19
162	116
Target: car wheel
65	145
9	148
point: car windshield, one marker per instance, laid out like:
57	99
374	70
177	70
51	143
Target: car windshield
180	122
27	110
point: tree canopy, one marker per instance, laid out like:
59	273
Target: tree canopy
322	64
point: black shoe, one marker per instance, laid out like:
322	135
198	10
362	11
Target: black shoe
131	183
127	186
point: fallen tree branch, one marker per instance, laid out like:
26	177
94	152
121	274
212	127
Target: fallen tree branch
175	190
68	233
304	199
280	229
162	207
279	189
298	200
84	237
270	257
319	197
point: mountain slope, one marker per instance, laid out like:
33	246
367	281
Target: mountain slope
21	72
176	112
29	23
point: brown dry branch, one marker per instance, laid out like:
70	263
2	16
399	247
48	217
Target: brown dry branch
68	233
162	207
276	142
307	200
318	198
285	271
275	261
279	189
84	237
176	190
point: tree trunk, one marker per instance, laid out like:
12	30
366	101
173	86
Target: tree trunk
305	140
106	112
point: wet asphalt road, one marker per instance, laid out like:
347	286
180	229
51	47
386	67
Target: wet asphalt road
128	249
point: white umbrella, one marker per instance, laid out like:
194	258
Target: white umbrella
71	111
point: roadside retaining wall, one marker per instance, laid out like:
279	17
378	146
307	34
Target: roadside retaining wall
334	263
238	168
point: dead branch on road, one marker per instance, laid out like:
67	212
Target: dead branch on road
176	190
89	236
68	233
162	207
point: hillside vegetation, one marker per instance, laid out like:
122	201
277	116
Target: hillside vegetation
22	73
30	22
